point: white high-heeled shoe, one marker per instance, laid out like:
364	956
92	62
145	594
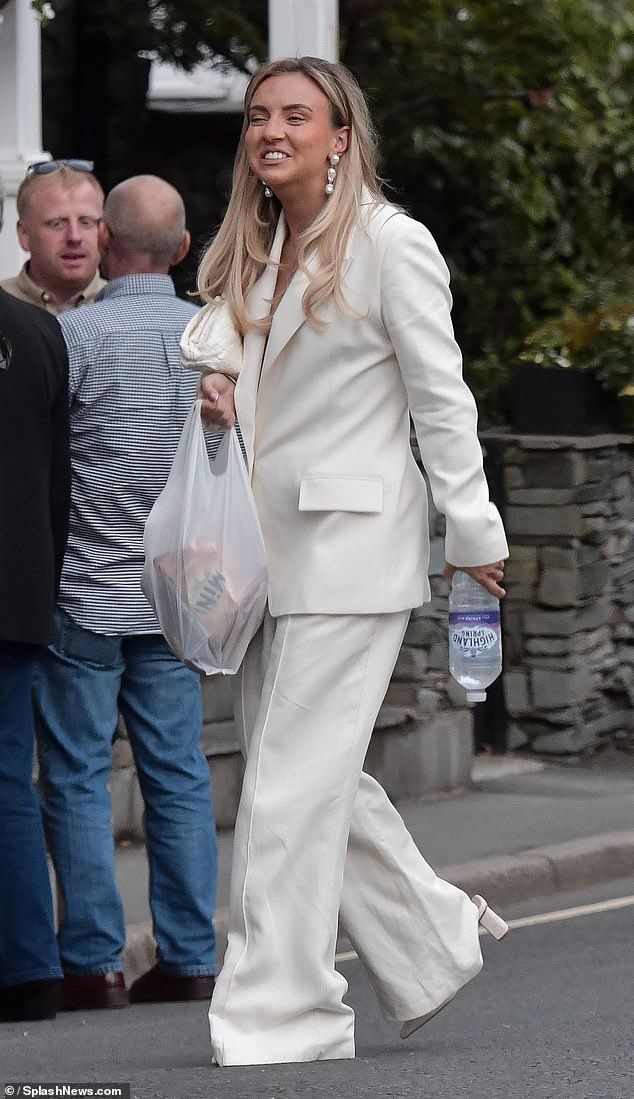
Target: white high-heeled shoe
492	923
410	1025
489	919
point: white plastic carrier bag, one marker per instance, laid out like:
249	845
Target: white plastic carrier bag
205	571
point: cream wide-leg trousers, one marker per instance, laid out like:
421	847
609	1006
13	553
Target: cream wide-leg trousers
314	832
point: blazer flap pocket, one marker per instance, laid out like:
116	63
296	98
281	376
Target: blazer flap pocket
325	493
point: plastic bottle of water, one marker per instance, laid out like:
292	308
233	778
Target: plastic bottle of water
475	637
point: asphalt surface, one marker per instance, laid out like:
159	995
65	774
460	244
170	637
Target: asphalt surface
548	1018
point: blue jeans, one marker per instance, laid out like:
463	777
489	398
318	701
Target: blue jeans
28	951
82	681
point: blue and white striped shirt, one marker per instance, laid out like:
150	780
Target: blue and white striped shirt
129	398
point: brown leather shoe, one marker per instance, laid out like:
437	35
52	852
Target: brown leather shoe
93	991
158	986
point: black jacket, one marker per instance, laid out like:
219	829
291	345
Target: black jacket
34	469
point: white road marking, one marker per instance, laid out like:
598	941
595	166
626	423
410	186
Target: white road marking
541	918
572	913
347	956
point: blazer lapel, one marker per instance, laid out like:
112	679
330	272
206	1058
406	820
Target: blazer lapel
258	305
289	316
259	352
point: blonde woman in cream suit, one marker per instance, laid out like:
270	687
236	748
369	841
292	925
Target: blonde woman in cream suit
343	303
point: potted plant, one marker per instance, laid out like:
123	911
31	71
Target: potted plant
576	371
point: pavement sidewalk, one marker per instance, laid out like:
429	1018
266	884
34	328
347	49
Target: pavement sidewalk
523	829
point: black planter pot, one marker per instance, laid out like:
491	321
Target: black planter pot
548	401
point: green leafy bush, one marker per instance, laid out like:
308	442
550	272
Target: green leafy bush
600	341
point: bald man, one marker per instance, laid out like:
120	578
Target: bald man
129	400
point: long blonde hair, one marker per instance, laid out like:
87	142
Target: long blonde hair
239	253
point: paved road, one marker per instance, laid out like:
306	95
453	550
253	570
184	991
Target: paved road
550	1017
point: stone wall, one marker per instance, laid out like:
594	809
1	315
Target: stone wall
569	612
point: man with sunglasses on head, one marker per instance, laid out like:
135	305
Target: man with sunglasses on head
60	206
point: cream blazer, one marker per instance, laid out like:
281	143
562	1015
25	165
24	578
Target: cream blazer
325	416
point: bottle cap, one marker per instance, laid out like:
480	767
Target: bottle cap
476	696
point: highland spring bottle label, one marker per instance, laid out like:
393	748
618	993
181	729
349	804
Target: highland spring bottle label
474	633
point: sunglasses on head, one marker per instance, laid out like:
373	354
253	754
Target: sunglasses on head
45	167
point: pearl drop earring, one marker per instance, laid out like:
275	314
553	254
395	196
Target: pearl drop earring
267	191
332	174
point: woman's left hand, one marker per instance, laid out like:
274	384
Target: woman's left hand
489	576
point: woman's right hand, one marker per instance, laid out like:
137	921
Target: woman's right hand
490	577
218	408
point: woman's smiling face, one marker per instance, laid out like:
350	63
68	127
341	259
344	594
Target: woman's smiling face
290	135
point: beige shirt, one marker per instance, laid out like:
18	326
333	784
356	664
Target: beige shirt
23	287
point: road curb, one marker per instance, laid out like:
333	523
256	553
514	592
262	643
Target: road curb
503	879
541	871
